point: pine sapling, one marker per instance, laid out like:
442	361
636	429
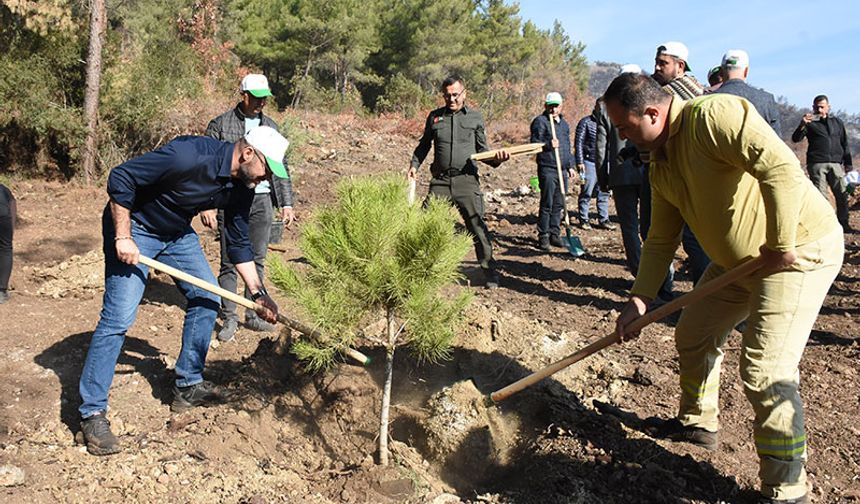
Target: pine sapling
370	253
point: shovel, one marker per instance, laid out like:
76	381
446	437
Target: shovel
574	244
696	294
247	303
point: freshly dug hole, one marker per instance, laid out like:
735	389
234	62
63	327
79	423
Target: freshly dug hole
465	436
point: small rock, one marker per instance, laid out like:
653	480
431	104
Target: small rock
522	190
11	476
118	426
398	488
163	479
446	498
171	469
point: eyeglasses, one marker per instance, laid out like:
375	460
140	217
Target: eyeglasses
452	96
262	160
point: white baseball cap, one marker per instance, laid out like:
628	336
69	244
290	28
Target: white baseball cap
553	98
630	68
676	49
273	146
257	85
735	58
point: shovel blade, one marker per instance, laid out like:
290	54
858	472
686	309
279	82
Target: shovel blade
574	245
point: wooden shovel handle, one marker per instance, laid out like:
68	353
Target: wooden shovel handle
676	304
561	187
240	300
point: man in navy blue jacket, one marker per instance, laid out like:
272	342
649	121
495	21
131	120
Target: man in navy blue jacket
152	201
551	191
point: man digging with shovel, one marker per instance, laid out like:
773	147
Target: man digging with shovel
152	201
717	165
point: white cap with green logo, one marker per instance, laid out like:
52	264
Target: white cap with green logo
273	146
257	85
553	98
736	58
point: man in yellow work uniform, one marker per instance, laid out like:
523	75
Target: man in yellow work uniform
719	167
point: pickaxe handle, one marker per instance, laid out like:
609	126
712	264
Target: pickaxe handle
676	304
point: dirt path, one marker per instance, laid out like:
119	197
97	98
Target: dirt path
296	438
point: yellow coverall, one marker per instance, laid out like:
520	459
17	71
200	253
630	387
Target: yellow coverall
726	173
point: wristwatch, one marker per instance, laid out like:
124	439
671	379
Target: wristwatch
260	293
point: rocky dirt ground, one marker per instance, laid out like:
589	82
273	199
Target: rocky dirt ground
292	437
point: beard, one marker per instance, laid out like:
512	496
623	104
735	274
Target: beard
245	176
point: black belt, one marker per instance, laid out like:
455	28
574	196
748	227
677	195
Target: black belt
453	173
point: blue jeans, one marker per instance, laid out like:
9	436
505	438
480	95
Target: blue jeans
589	186
633	206
551	200
259	229
124	286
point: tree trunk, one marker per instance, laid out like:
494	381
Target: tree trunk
386	390
98	23
297	97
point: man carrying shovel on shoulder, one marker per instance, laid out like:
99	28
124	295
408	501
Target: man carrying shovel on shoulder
152	201
719	167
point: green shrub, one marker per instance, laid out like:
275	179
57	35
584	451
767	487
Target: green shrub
403	96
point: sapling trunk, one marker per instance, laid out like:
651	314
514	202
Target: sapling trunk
386	390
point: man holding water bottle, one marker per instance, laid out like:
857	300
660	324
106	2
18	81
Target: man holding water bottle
828	156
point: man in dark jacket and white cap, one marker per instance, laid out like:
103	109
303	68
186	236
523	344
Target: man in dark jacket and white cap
230	127
552	191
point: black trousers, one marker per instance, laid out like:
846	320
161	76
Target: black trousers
551	200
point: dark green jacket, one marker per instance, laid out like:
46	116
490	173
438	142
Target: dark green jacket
455	137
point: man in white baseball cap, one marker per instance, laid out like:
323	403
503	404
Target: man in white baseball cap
671	70
735	69
257	85
244	120
552	190
670	62
153	198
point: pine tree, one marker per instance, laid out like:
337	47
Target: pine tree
373	253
